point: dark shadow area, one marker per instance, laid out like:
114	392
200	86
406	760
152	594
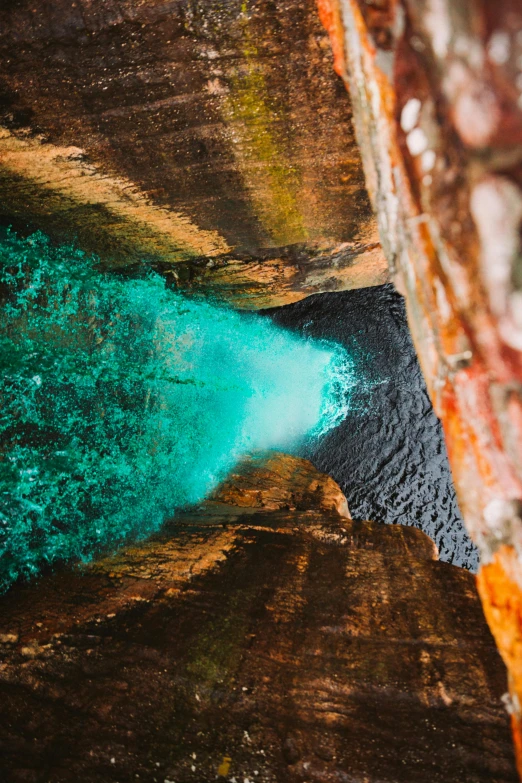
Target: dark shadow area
388	455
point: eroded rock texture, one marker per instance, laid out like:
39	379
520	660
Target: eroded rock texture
201	137
262	642
436	91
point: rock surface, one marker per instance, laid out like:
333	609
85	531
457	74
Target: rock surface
437	98
262	642
200	137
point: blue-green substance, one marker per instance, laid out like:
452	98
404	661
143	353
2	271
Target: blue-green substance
121	401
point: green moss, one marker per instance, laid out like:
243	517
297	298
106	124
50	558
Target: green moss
216	654
255	120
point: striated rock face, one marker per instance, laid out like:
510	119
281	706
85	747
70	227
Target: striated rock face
437	104
209	140
201	137
262	642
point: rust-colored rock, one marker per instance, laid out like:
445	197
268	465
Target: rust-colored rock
275	481
499	588
260	642
436	93
202	138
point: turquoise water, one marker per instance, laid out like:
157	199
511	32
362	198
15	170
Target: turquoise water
122	401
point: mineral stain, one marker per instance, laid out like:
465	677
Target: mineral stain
121	401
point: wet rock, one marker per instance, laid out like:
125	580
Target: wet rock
183	135
273	481
290	645
8	638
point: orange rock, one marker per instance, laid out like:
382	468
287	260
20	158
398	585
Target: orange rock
438	117
499	587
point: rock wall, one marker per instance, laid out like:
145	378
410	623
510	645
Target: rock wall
436	92
270	639
200	137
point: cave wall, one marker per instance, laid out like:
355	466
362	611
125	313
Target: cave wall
200	137
436	93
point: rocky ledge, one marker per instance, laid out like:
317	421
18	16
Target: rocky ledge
210	140
263	636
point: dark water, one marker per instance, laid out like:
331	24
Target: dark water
388	455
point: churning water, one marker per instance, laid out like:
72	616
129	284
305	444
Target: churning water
122	401
388	454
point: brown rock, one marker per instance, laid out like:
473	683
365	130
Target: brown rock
185	135
283	646
275	481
